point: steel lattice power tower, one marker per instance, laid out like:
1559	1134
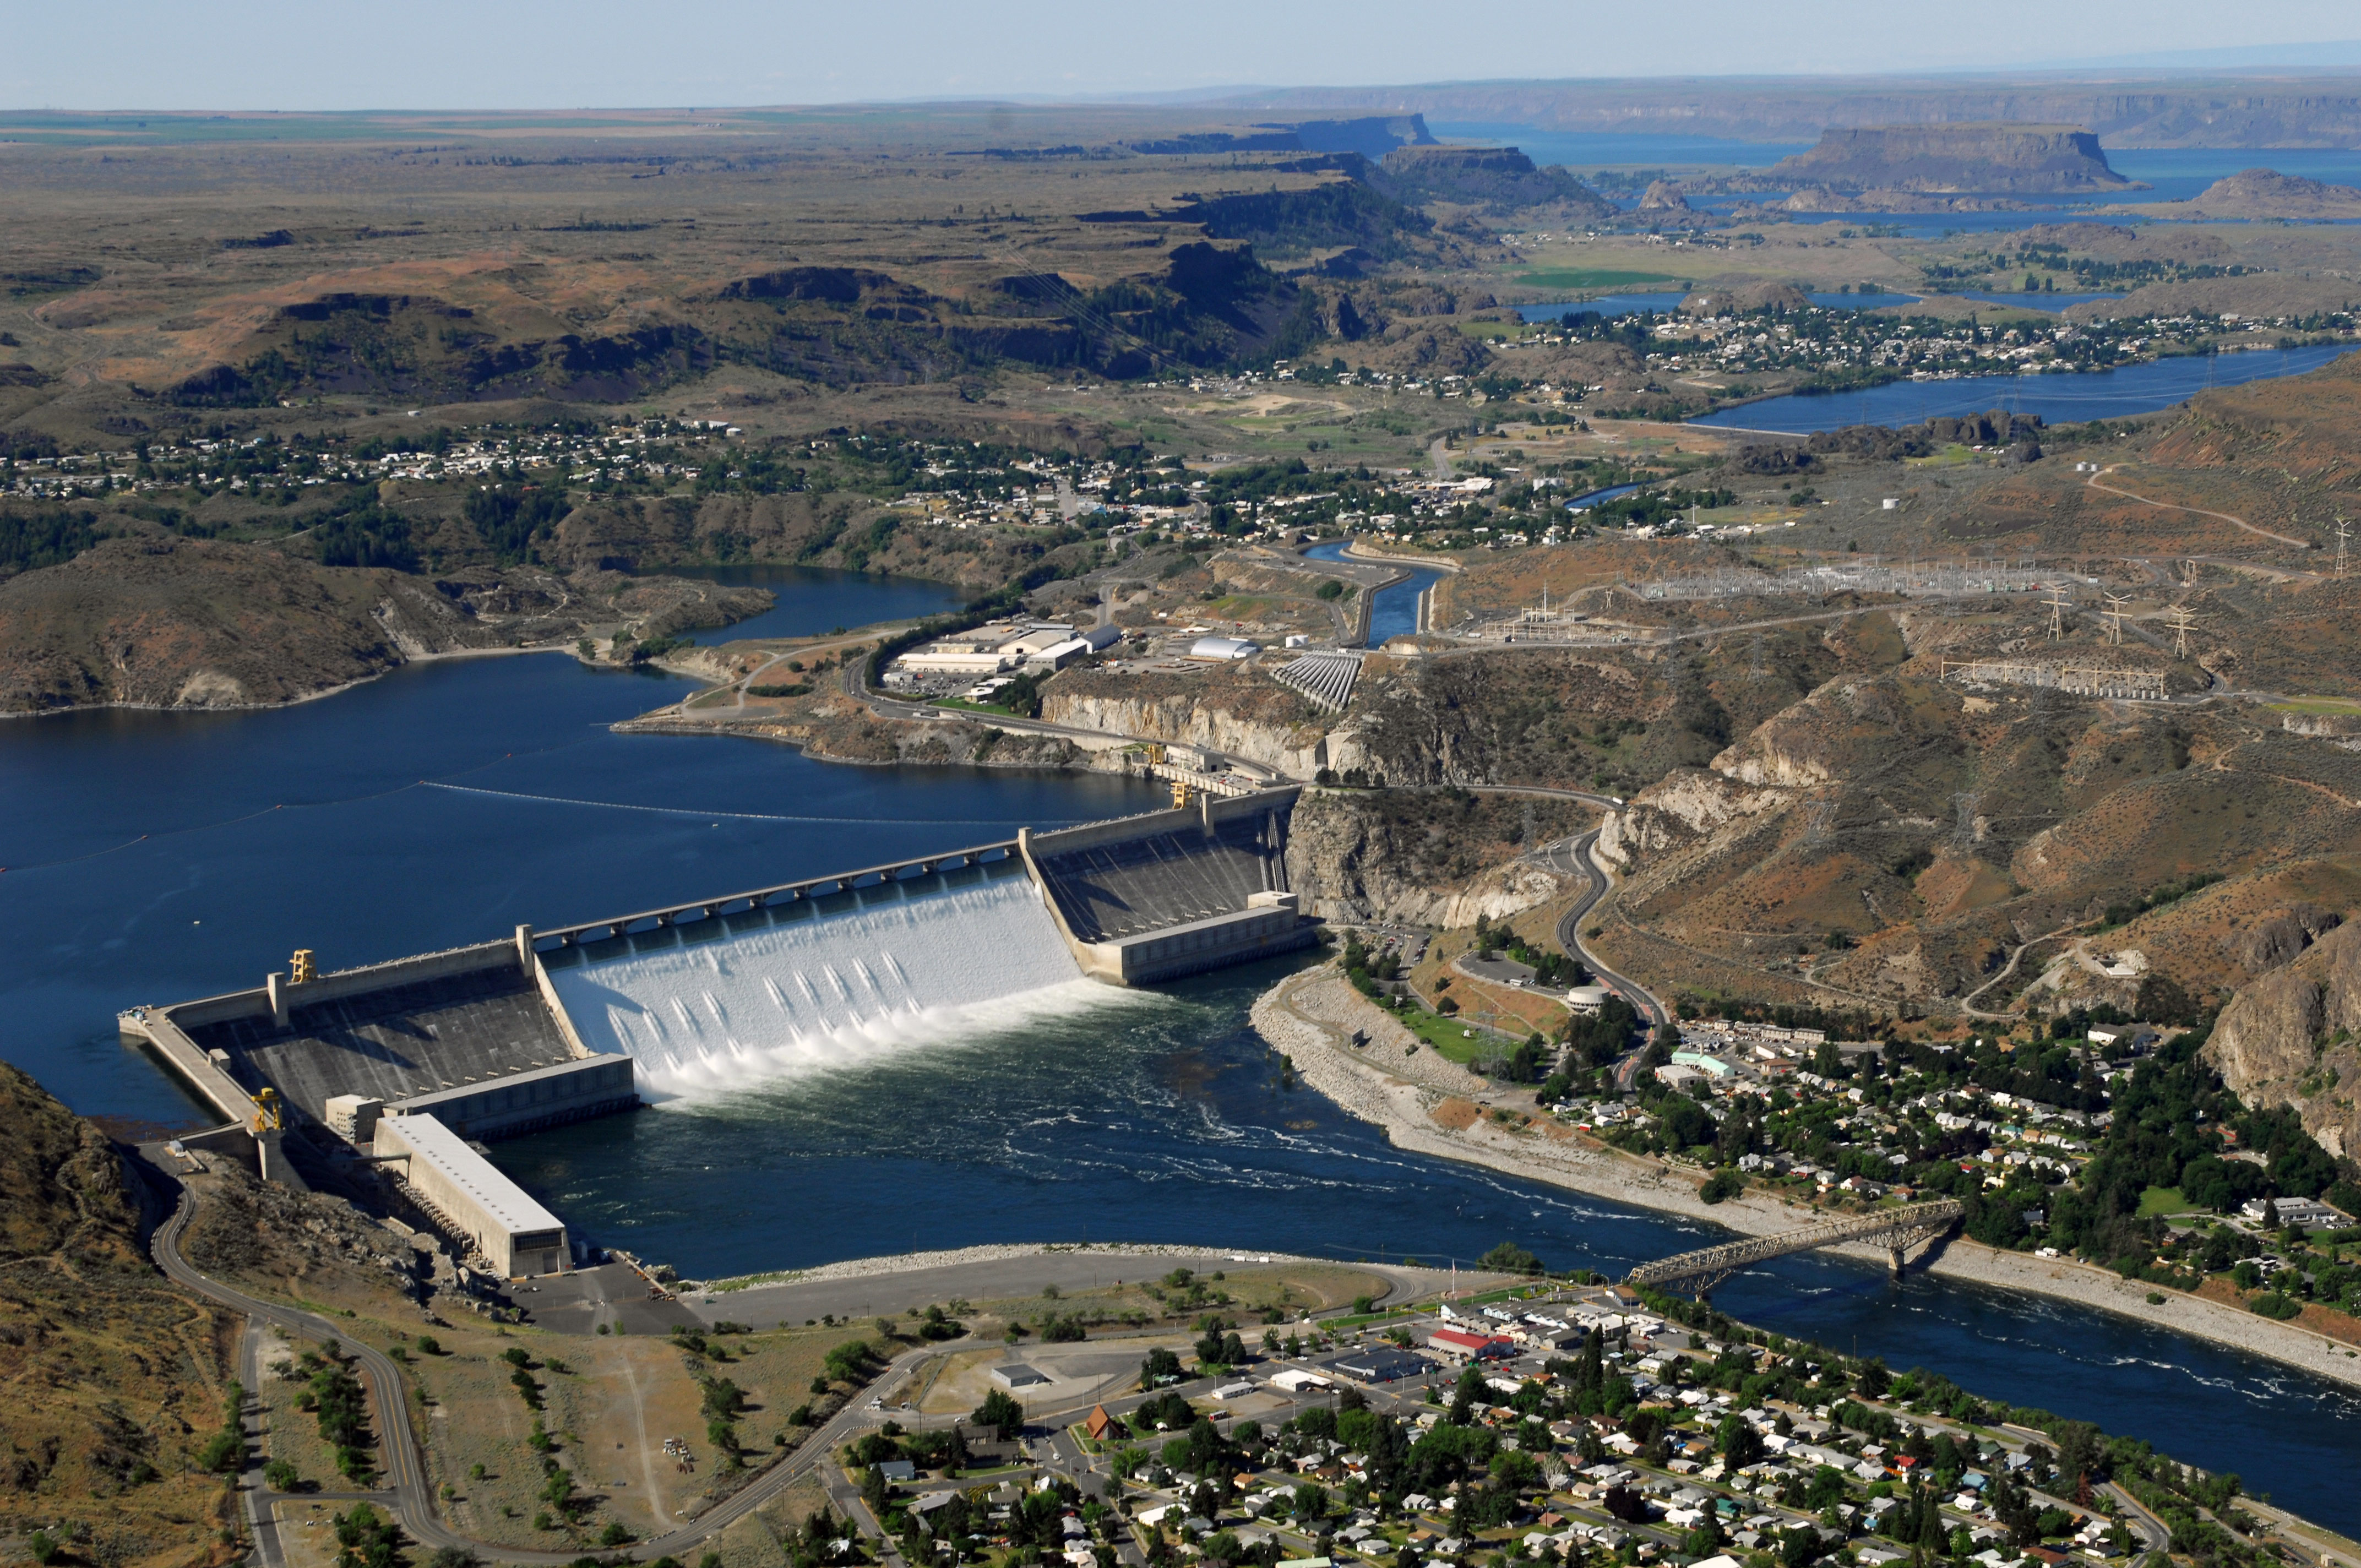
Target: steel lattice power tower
2058	605
2116	618
2182	623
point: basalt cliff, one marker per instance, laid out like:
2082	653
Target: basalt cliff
2008	159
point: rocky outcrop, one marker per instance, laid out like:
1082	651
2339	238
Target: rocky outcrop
1997	159
1497	180
2279	937
1680	811
2287	1040
1662	196
1437	860
1746	297
1263	723
2267	194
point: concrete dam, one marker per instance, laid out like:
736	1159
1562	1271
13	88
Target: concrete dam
405	1068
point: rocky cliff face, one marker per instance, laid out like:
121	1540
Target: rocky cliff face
1996	158
2288	1039
1238	716
1688	809
1437	860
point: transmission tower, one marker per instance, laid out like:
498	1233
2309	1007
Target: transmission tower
2344	532
2115	619
2182	623
2058	605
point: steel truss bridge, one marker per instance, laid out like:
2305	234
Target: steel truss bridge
1898	1229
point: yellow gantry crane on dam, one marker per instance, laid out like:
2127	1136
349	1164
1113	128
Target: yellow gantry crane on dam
1183	790
270	1112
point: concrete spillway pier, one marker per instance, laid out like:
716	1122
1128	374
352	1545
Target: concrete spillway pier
407	1065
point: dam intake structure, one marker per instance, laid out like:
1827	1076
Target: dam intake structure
406	1067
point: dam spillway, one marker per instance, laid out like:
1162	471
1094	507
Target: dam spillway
556	1026
813	982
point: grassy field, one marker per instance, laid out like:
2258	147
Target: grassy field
1591	277
1456	1039
2158	1200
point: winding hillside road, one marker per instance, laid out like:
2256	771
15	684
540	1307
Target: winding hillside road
1578	855
407	1491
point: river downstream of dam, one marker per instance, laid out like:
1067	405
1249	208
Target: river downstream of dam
153	857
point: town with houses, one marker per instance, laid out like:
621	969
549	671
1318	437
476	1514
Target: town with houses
1552	1424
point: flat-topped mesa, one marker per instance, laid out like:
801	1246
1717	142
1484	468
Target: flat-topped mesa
1989	158
1501	180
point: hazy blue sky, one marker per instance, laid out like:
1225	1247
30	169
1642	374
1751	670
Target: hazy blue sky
443	54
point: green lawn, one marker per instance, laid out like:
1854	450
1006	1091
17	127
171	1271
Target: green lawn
1450	1037
2158	1200
1591	277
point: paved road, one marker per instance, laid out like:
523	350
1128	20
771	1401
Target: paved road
409	1496
1579	854
2152	1531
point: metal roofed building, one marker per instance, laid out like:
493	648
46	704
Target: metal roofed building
472	1198
1223	649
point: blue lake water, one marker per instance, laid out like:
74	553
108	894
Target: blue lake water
2057	399
2179	173
1394	612
153	857
816	598
1859	302
156	856
1611	492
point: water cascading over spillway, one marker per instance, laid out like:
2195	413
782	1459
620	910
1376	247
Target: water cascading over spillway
728	1003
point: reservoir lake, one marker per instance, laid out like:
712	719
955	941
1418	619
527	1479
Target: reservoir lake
154	856
2059	399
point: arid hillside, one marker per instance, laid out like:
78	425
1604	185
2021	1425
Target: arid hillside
115	1378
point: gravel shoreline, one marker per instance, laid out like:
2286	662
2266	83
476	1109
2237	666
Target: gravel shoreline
1311	1016
996	1252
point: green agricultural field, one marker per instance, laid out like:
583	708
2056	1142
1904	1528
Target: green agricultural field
1591	277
